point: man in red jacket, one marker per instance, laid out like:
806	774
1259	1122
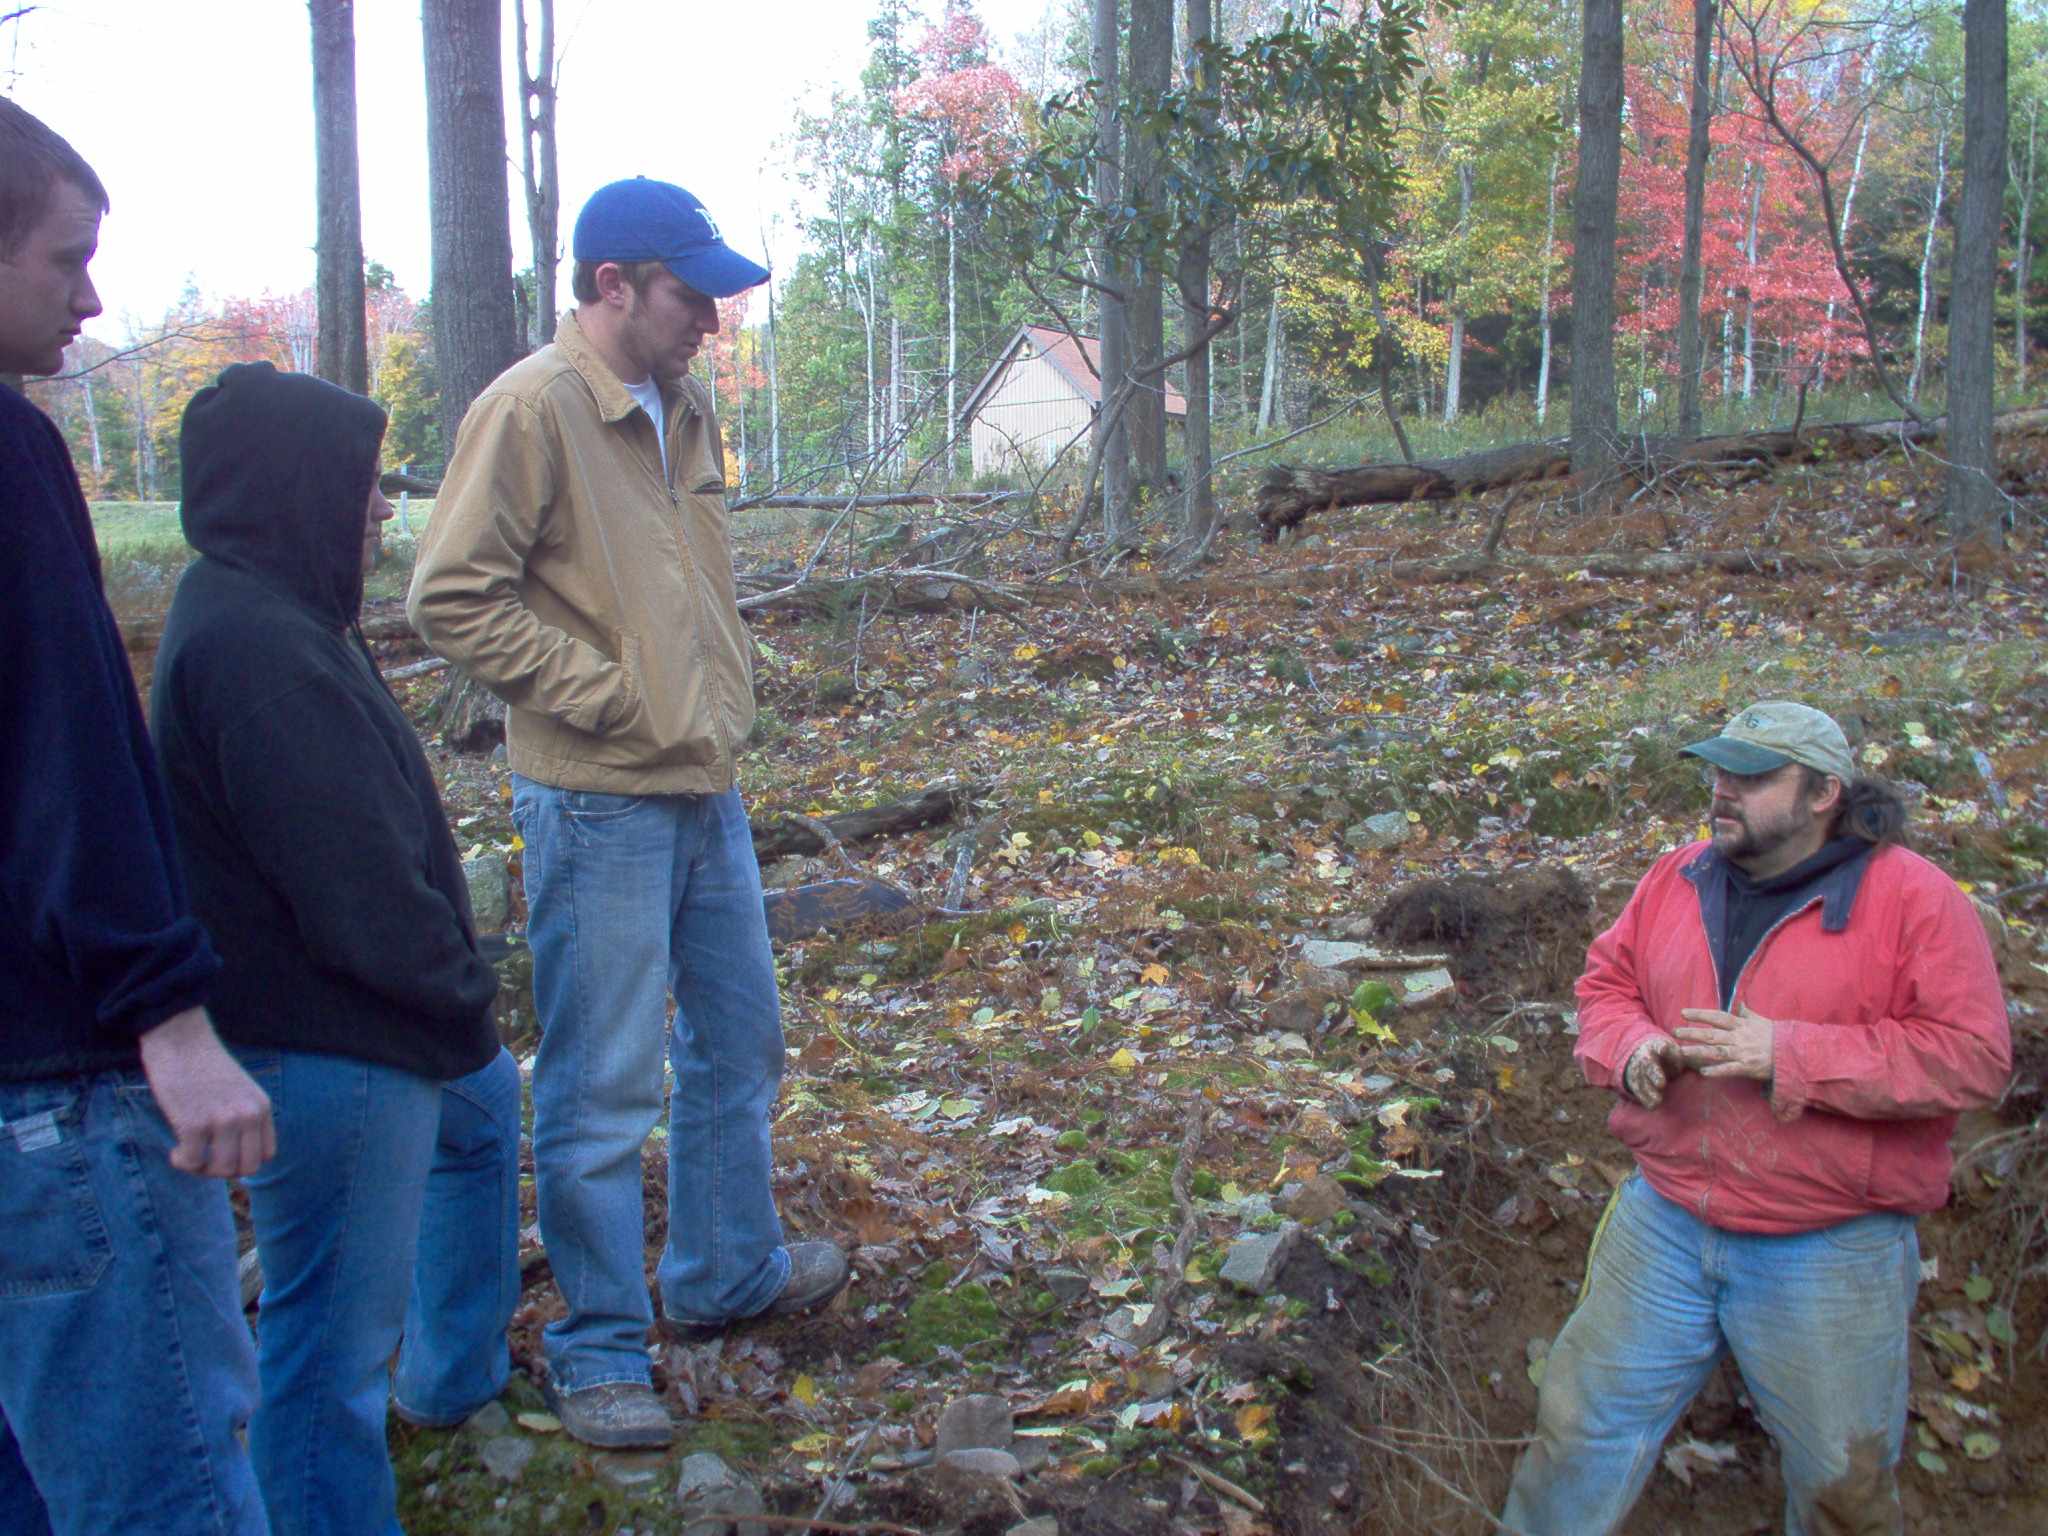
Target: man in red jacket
1791	1015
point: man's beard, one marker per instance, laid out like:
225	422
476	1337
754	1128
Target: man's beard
1751	844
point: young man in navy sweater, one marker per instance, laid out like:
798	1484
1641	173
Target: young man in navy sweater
126	1371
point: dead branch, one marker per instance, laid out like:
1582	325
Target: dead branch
971	501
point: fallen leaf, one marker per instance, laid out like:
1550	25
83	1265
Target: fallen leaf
805	1391
1254	1423
539	1423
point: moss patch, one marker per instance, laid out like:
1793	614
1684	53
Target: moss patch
959	1319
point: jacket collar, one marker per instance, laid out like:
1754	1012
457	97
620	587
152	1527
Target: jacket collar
614	404
1836	890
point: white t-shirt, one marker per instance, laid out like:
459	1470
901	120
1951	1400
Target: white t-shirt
648	393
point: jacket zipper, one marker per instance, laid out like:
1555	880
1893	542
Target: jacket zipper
1735	998
687	558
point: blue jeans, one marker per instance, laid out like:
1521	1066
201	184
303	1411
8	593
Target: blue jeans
1817	1321
338	1218
631	897
126	1368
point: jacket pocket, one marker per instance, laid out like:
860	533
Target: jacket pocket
630	717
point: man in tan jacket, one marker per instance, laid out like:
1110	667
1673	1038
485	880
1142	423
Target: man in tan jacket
578	565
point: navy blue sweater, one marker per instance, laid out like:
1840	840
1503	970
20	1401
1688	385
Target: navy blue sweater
97	941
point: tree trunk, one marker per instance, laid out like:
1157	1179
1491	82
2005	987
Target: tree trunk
1193	283
952	338
537	82
774	402
1151	72
1691	277
1543	299
1454	367
2023	258
475	335
1113	444
1269	385
1927	262
1595	449
1848	211
1289	493
1975	505
342	354
1756	208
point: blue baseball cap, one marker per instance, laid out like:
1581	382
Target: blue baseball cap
643	220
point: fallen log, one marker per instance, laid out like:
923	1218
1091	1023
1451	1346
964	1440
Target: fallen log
780	837
963	500
1288	493
900	592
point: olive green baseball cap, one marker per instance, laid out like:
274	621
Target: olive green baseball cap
1769	735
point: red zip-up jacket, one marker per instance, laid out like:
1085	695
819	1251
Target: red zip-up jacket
1889	1019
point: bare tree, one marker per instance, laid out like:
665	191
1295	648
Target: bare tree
1113	438
475	333
1974	502
1193	282
1595	445
538	77
1690	274
1151	73
341	355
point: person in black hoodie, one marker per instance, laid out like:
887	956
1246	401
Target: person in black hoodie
351	986
120	1111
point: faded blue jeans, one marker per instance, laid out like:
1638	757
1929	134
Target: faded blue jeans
391	1206
1818	1322
631	897
126	1369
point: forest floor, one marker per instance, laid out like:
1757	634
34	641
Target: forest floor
1013	1111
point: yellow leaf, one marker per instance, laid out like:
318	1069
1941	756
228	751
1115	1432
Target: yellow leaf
1506	1077
1154	975
1123	1060
1026	653
869	766
811	1445
1967	1378
1254	1423
1019	933
805	1391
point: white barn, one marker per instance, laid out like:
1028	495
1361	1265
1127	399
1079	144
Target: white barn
1038	397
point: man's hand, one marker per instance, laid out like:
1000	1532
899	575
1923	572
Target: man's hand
1728	1044
1651	1066
219	1115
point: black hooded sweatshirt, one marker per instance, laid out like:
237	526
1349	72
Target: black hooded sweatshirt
307	819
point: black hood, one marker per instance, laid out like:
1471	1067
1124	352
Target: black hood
277	474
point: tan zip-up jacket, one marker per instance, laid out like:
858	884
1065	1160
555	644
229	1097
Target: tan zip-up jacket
595	596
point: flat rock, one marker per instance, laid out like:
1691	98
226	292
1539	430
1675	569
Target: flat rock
978	1421
1067	1285
715	1500
1314	1201
1427	987
491	1419
1044	1525
490	889
506	1456
630	1469
1254	1260
1377	834
980	1464
1339	955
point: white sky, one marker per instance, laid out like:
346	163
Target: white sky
198	116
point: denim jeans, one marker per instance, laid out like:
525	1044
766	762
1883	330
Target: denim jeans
1818	1322
338	1218
126	1368
631	897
